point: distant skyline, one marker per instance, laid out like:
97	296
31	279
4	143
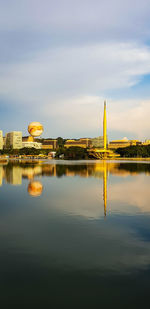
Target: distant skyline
59	61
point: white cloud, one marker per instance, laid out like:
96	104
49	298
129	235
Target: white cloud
69	83
75	71
133	119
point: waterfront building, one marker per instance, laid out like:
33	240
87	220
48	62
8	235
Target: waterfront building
123	143
49	144
33	144
147	142
1	140
4	142
82	142
14	140
98	142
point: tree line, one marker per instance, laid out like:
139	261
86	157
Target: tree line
138	151
79	153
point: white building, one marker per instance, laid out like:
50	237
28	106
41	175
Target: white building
14	140
31	145
1	140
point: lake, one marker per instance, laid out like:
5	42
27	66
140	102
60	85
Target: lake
74	234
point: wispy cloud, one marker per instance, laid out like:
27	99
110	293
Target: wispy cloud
74	71
58	56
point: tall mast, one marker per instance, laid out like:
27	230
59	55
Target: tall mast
105	127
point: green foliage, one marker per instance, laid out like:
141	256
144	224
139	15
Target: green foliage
24	151
134	151
60	151
60	141
76	153
135	167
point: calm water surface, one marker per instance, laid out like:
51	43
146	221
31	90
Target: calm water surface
74	234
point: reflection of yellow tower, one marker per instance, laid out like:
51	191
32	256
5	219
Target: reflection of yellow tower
105	187
105	127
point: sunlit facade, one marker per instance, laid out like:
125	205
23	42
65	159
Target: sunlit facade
82	142
14	140
31	145
49	144
123	143
146	143
1	140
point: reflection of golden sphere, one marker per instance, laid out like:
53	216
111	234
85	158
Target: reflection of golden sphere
35	129
35	188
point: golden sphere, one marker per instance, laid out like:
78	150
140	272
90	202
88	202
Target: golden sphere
35	129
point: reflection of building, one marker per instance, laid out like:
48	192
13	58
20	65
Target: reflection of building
13	175
1	140
1	175
14	140
82	142
31	172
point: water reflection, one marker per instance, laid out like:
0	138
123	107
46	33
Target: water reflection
14	173
63	247
35	188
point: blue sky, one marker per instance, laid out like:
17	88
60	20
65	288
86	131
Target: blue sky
60	59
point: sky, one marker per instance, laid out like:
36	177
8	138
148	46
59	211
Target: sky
59	61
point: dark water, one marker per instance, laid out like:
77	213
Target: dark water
75	235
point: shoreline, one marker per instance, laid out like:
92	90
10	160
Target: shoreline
130	159
32	160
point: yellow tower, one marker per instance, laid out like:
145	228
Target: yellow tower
105	127
103	153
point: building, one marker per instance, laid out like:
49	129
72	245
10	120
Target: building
135	142
33	144
98	142
4	142
119	144
147	142
82	142
49	144
14	140
1	140
123	143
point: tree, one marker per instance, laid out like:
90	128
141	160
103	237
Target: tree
60	141
76	153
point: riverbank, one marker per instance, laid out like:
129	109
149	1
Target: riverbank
131	159
33	160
